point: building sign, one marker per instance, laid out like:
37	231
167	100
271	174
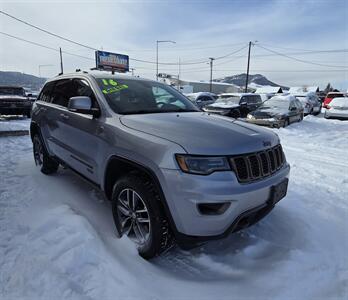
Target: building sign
112	61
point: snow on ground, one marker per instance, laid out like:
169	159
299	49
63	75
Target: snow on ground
11	123
57	237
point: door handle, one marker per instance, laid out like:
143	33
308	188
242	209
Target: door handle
64	116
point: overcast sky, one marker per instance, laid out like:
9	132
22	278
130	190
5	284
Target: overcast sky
201	29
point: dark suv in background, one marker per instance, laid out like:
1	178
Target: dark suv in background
14	101
234	104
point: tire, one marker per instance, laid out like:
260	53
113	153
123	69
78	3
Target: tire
46	164
152	235
301	118
235	114
286	123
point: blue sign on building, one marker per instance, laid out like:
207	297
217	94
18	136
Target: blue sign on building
112	61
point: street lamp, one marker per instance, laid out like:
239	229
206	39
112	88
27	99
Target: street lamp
157	42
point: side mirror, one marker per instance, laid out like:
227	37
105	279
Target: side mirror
29	95
293	108
83	105
243	103
199	101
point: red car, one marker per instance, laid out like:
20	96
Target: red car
331	96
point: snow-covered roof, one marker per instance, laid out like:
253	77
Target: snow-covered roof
284	97
303	89
267	89
196	95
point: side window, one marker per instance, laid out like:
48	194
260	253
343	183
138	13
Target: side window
292	105
46	92
62	92
82	88
258	99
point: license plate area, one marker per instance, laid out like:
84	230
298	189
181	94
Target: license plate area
278	192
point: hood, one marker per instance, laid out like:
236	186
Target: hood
223	105
13	98
268	113
202	133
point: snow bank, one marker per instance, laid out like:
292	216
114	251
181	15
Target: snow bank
57	236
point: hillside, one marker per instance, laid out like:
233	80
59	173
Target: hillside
254	80
16	78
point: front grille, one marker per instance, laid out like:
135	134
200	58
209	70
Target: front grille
255	166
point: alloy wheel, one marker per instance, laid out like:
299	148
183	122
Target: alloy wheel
133	216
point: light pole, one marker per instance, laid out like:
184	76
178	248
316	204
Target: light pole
157	42
41	66
211	74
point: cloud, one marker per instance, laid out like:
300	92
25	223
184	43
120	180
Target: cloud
197	27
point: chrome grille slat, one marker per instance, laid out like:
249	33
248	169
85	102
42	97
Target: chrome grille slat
258	165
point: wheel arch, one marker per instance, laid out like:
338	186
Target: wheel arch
118	166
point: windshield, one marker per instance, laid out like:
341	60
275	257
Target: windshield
12	91
228	99
127	96
276	103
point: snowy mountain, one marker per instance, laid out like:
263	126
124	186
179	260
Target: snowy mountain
254	80
26	80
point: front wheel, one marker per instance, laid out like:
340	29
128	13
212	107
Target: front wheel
46	164
137	213
286	123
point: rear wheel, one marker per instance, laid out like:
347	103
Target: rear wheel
46	164
235	113
138	214
286	123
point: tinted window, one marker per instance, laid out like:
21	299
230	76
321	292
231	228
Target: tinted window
62	92
66	88
46	92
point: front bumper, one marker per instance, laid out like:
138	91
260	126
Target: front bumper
184	192
271	122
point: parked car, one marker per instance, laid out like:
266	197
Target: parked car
310	103
331	96
170	171
202	99
279	111
337	108
235	104
14	101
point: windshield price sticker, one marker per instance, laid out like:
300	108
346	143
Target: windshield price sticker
111	86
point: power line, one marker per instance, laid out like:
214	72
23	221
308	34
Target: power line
44	46
297	59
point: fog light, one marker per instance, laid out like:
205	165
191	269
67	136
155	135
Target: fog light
213	208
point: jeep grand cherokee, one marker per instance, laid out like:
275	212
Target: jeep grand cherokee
170	171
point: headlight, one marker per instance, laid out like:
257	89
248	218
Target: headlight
249	116
203	165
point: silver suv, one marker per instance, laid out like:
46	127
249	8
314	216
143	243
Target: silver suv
171	172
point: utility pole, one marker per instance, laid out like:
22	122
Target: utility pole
247	75
211	74
61	60
179	75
